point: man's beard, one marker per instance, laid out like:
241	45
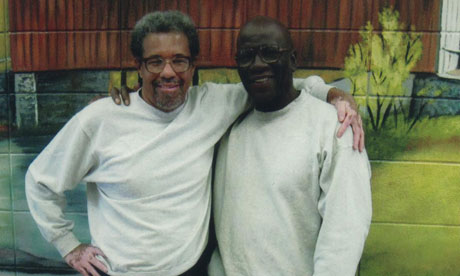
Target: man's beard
168	102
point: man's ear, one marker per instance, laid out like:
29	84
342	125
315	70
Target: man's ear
293	60
192	69
138	65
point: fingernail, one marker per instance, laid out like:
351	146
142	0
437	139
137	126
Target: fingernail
117	101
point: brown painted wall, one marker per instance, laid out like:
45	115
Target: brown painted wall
94	34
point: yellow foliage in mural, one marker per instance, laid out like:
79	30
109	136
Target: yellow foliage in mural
381	63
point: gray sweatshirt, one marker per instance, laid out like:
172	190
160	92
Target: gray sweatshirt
290	198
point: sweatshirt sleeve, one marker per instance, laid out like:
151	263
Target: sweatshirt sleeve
346	209
314	85
230	100
58	168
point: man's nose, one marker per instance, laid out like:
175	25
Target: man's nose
258	61
168	71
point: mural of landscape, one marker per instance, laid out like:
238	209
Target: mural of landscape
400	59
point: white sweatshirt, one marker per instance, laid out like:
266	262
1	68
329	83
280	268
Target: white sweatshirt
290	198
148	175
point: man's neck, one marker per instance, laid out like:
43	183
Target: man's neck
282	102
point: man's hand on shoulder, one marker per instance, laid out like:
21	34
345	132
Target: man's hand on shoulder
347	112
83	259
121	94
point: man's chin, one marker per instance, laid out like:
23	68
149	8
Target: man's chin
261	93
168	107
168	103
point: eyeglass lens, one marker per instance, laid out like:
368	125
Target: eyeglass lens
178	64
268	54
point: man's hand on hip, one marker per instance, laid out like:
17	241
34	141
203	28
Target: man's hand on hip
83	259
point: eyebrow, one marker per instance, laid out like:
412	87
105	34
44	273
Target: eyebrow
159	56
261	45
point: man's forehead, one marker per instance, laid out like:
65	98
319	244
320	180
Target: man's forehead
262	37
175	34
165	44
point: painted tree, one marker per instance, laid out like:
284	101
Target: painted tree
380	64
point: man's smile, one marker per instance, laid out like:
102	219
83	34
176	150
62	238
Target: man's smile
167	87
261	79
257	78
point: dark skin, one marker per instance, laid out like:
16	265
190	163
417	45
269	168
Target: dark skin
269	85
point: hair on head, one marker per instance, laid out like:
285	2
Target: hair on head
264	21
164	22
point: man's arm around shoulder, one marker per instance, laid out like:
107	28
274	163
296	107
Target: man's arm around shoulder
346	209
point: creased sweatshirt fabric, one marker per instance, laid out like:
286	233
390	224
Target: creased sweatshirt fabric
148	175
290	198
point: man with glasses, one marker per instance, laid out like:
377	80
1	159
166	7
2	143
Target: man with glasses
290	198
147	165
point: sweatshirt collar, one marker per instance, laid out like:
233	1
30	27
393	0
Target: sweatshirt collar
155	112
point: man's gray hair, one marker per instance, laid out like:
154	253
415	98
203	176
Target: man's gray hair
164	22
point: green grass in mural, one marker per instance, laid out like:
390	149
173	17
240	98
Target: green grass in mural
422	197
434	139
385	145
406	250
423	193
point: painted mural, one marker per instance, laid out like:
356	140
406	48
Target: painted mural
402	67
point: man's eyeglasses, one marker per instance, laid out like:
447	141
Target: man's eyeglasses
269	54
156	65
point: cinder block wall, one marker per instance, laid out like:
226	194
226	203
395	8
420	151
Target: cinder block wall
58	55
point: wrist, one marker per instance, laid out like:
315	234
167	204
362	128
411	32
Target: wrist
66	243
334	95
